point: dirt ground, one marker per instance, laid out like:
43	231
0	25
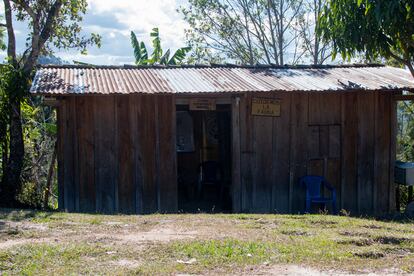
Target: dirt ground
201	244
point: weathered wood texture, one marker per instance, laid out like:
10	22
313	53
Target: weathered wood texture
345	137
117	153
265	157
108	149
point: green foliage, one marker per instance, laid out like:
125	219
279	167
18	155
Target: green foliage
13	84
374	28
67	28
140	50
250	31
2	36
43	258
39	133
25	162
405	140
225	252
405	134
158	56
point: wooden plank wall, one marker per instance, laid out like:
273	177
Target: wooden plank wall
346	137
265	157
117	154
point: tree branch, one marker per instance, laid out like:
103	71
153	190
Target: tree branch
43	37
26	7
11	45
404	61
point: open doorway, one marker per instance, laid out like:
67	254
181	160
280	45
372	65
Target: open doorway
404	154
204	159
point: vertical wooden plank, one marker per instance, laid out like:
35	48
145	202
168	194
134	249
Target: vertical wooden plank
324	108
135	105
366	146
333	161
292	153
116	165
262	171
281	157
76	161
85	135
393	148
299	152
334	141
315	167
333	175
69	136
105	158
324	140
315	109
148	146
331	109
246	127
236	156
313	142
157	126
382	152
167	154
349	137
377	146
61	119
126	187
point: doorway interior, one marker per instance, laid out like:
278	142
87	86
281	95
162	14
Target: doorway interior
204	159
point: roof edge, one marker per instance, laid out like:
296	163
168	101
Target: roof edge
212	65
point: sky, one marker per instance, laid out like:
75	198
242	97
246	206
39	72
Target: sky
114	20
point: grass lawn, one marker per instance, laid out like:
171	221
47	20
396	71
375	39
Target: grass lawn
40	243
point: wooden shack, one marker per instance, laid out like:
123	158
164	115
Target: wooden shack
131	139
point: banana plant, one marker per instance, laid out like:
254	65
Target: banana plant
157	56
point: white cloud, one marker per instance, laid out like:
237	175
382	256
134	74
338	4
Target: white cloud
104	58
143	15
114	20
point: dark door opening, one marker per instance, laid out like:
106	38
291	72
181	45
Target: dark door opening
204	159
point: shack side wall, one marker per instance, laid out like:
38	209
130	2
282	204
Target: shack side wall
347	137
117	153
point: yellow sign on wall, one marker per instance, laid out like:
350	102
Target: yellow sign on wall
202	104
265	107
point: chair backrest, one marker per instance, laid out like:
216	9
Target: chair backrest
313	184
210	171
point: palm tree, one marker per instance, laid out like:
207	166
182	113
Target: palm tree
157	56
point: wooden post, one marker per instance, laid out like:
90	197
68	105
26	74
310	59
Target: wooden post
236	173
50	177
393	148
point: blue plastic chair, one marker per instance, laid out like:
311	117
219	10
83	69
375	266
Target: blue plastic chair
314	185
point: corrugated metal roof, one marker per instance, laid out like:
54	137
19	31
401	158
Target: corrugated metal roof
63	80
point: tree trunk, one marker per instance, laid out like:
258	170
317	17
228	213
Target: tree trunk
50	178
11	182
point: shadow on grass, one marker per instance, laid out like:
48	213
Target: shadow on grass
23	214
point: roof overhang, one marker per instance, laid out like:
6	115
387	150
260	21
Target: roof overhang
85	80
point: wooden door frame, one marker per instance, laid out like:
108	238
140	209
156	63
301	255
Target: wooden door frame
236	155
234	103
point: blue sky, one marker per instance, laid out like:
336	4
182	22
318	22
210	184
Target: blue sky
114	20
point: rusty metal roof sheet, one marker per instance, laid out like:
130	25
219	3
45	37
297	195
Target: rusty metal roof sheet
65	80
